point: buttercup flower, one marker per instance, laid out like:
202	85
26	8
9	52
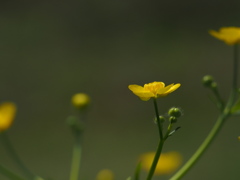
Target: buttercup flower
7	114
230	35
80	100
105	174
152	90
167	163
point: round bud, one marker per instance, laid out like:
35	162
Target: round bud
172	119
161	118
207	81
214	85
80	100
175	112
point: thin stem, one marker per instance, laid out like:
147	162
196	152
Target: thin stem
158	119
235	66
160	145
137	171
10	174
76	159
233	95
218	125
10	149
155	161
168	131
216	128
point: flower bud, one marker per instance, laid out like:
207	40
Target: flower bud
173	119
175	112
214	85
207	81
161	118
80	100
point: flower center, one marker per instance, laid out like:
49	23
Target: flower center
153	87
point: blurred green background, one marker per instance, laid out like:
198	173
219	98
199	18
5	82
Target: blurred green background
53	49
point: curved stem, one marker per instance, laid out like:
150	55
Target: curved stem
10	149
155	161
10	174
202	148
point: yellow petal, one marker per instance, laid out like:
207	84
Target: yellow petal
141	92
145	98
7	114
173	88
230	35
135	88
163	90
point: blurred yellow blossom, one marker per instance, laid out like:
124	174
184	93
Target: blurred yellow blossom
80	100
152	90
105	174
7	114
230	35
167	163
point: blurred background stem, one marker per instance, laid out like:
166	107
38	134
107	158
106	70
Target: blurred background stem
11	175
218	125
13	154
76	159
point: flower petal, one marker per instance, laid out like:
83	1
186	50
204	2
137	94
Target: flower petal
163	90
135	88
230	35
173	88
141	92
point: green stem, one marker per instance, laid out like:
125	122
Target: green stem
160	145
10	149
216	128
168	131
76	159
137	171
218	125
11	175
235	66
158	119
155	161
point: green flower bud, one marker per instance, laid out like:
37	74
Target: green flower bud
172	119
175	112
207	81
162	119
214	85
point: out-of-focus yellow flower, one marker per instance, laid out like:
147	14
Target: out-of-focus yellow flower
167	163
105	174
230	35
152	90
80	100
7	114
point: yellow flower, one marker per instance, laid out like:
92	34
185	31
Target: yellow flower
105	174
152	90
167	163
230	35
80	100
7	114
